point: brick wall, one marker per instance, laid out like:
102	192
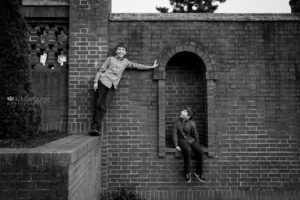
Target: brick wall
66	169
256	104
85	171
186	86
252	85
50	80
47	24
88	43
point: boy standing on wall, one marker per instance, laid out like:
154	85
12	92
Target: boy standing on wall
106	82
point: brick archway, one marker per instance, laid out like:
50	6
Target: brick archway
167	53
160	75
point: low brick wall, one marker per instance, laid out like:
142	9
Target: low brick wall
68	168
194	194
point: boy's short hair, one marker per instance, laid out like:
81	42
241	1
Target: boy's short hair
190	112
121	45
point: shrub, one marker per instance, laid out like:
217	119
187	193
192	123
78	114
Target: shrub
19	118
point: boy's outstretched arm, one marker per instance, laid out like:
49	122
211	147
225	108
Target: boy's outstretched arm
132	65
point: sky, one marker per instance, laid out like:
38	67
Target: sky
230	6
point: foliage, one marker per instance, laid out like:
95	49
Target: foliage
122	194
18	119
162	9
192	6
295	6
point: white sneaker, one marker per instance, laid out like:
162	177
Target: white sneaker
200	177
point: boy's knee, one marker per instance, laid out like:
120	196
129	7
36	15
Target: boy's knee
187	152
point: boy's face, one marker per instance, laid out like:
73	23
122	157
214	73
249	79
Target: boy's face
184	114
121	52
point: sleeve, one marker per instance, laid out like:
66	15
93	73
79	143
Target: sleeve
175	138
102	69
132	65
195	132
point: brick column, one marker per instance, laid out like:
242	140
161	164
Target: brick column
88	42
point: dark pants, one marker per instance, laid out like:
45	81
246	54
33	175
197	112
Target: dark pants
103	96
187	150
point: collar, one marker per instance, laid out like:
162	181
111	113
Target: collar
120	59
184	120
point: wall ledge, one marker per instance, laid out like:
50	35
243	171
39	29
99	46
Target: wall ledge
203	17
64	151
68	168
45	2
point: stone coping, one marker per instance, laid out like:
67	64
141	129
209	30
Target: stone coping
203	17
45	3
51	12
63	151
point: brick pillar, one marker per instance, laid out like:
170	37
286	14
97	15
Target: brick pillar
88	42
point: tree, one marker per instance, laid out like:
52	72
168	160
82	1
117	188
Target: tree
19	117
295	6
192	6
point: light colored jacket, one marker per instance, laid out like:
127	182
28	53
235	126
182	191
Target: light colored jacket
110	73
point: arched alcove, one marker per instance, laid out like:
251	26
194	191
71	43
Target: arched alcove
186	86
193	68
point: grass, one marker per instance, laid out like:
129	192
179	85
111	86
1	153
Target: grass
42	138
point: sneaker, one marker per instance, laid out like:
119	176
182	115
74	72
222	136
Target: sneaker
96	126
94	133
200	177
188	178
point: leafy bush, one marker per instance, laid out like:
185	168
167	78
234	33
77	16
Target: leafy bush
18	119
122	194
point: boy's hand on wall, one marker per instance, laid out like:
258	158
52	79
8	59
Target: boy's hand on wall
155	64
178	148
